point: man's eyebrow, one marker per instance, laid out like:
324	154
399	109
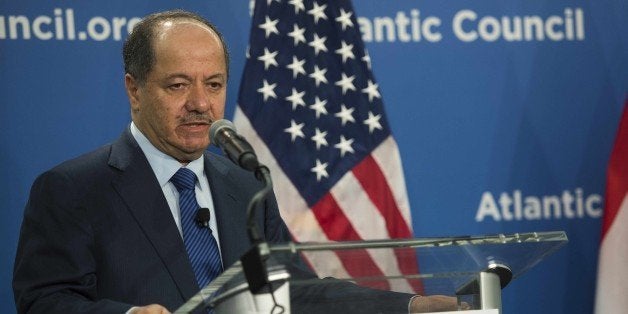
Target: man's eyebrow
178	75
187	77
217	75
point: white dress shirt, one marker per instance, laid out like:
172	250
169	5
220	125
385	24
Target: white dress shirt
164	167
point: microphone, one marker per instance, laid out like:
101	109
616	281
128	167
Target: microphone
223	134
202	217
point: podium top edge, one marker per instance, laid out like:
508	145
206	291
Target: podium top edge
528	237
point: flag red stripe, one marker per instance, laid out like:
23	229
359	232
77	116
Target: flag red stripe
617	175
375	184
336	226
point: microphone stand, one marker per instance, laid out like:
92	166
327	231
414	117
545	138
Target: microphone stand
262	174
254	261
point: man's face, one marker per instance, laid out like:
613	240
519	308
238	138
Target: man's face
184	92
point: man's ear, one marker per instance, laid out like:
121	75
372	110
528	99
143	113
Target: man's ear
132	91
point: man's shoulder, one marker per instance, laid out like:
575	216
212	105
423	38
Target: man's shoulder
117	153
80	172
85	162
74	176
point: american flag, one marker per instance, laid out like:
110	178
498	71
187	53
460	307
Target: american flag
311	108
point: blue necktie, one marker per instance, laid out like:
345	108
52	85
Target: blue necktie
199	241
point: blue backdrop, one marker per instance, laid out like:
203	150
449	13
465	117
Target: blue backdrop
504	111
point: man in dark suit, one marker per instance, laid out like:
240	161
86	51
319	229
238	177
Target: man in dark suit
102	233
98	233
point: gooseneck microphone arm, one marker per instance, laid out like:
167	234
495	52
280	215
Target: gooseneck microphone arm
262	174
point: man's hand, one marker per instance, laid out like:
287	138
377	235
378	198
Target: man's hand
149	309
436	303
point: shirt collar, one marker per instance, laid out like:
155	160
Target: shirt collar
164	166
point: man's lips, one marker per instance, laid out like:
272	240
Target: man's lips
195	126
197	123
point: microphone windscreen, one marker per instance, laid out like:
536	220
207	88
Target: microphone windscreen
217	126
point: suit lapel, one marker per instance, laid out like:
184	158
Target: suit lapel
139	188
230	210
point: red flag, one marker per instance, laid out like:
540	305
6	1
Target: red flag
612	280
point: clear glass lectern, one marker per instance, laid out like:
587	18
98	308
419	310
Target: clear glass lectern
473	268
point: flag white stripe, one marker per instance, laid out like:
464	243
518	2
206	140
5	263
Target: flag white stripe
612	282
386	261
294	210
365	218
369	224
387	157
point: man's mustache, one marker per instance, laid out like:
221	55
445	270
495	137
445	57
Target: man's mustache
196	118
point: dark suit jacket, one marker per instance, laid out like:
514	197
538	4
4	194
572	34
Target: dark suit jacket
98	235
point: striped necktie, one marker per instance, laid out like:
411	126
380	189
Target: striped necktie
199	242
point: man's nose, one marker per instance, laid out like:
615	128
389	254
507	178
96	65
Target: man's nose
198	98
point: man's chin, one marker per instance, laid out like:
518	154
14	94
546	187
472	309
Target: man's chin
190	153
